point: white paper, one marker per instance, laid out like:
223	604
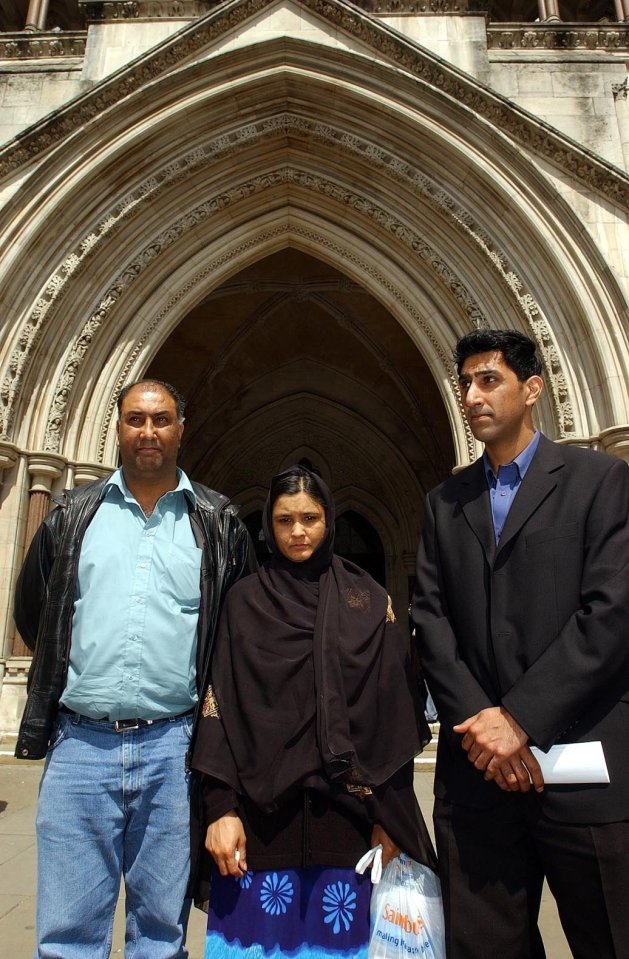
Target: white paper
573	763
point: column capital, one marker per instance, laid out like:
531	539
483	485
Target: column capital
8	456
615	440
44	468
89	473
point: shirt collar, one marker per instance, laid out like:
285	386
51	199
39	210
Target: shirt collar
116	480
522	461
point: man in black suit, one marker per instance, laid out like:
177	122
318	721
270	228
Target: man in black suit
521	611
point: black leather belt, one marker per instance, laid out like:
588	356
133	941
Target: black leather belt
125	725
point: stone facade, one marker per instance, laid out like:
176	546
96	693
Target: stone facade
291	209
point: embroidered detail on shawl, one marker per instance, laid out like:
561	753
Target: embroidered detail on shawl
357	598
360	791
390	613
210	705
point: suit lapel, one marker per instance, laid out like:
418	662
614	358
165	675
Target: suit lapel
539	482
474	500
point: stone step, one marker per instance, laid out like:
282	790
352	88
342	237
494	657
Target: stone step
425	762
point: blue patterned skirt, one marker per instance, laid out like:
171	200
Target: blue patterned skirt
309	913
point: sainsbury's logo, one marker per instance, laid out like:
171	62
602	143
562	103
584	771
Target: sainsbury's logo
397	918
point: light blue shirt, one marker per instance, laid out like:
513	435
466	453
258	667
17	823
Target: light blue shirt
134	629
504	486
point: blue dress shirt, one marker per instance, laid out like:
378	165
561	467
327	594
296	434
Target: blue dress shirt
504	486
134	629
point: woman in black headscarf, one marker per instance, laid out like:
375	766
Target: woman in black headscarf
306	742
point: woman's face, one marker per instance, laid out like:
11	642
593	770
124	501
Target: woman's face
298	525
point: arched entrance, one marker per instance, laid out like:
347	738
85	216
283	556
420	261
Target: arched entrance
290	358
357	540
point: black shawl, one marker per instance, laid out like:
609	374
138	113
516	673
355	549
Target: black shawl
311	676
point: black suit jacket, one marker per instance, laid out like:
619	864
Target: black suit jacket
539	624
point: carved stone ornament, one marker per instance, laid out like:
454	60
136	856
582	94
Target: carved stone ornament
100	10
42	46
144	9
517	123
204	155
557	36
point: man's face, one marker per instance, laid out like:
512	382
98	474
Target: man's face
149	433
497	404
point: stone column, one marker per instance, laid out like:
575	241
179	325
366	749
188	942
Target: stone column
548	10
36	15
8	459
43	469
622	10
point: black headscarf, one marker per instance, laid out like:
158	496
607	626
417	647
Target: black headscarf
310	674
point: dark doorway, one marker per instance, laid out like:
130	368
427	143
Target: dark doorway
253	522
357	540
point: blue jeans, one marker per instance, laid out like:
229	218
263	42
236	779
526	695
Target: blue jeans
110	805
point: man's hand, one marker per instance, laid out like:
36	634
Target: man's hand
226	842
498	746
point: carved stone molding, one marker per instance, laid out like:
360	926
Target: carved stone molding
44	467
16	670
42	46
8	457
206	154
621	89
89	473
557	36
616	441
109	10
100	10
524	128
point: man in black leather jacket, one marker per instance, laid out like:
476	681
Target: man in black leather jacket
119	599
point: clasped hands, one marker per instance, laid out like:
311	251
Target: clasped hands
226	842
498	746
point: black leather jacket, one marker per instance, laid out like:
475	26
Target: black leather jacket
44	599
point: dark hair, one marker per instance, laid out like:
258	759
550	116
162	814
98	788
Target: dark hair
180	403
298	480
518	350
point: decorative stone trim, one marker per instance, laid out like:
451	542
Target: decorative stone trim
111	10
557	36
615	440
417	7
42	46
8	457
496	109
89	473
621	89
44	468
101	10
16	669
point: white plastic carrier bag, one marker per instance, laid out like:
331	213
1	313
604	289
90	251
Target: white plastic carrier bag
406	912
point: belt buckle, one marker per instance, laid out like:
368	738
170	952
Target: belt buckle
122	725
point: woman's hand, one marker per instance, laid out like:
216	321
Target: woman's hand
226	842
389	849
